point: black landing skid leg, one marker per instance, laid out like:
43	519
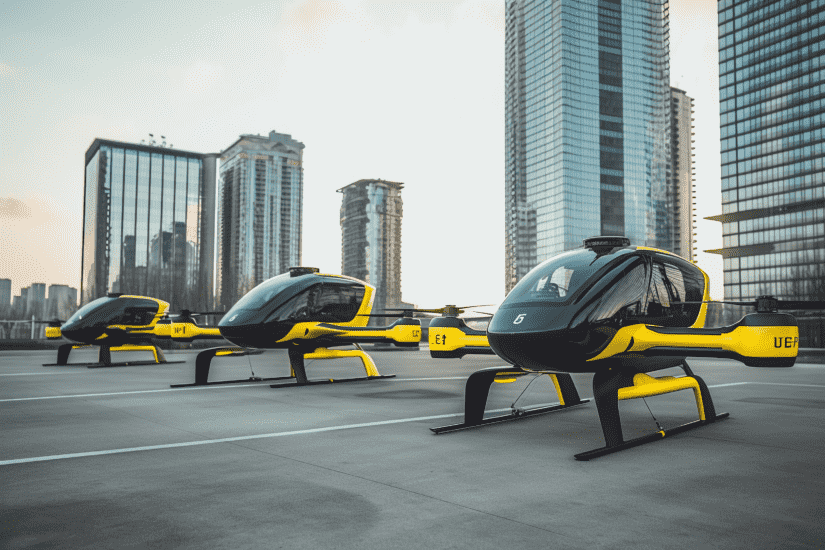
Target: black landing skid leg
204	361
299	373
606	386
104	357
478	389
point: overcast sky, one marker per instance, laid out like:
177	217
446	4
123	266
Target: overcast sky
403	91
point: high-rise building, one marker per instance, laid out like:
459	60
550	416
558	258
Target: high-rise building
259	212
681	188
21	302
149	224
587	126
371	212
772	105
5	293
61	303
36	300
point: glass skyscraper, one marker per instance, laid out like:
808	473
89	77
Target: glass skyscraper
681	191
587	115
371	213
148	224
772	105
260	202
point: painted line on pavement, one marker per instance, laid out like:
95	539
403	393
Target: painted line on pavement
783	384
215	387
295	432
41	373
229	439
228	386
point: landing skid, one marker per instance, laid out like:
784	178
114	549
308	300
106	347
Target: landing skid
297	355
518	414
658	436
105	357
298	376
478	389
203	362
610	387
329	381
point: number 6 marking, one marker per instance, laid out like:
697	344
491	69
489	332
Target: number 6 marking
519	319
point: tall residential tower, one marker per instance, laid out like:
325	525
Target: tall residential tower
260	201
371	212
681	188
587	115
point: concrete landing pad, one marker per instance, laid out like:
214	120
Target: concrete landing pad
115	458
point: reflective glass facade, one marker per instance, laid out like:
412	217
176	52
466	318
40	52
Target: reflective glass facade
772	103
371	214
587	109
147	223
259	212
681	190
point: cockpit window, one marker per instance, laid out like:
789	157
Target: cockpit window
262	294
91	306
558	279
327	302
118	311
625	298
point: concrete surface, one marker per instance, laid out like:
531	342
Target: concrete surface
114	458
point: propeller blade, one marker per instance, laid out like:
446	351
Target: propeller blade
801	304
769	303
378	315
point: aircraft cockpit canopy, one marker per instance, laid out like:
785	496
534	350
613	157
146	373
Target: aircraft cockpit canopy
109	310
290	299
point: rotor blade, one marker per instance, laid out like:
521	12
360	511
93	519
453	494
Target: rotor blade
800	304
390	315
751	304
780	304
468	307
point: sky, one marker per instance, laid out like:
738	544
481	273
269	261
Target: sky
403	91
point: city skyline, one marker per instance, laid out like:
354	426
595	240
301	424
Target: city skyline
411	92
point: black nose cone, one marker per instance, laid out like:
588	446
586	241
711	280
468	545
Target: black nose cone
536	338
77	332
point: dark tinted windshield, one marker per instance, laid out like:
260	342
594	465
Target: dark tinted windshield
262	294
558	279
325	302
118	311
91	306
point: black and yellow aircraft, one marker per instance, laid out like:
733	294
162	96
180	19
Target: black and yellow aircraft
621	312
449	335
306	313
116	322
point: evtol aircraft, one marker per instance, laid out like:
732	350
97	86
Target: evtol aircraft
620	312
116	322
306	313
303	311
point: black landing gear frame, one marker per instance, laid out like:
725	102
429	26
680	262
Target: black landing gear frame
104	357
298	376
607	386
296	362
478	388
